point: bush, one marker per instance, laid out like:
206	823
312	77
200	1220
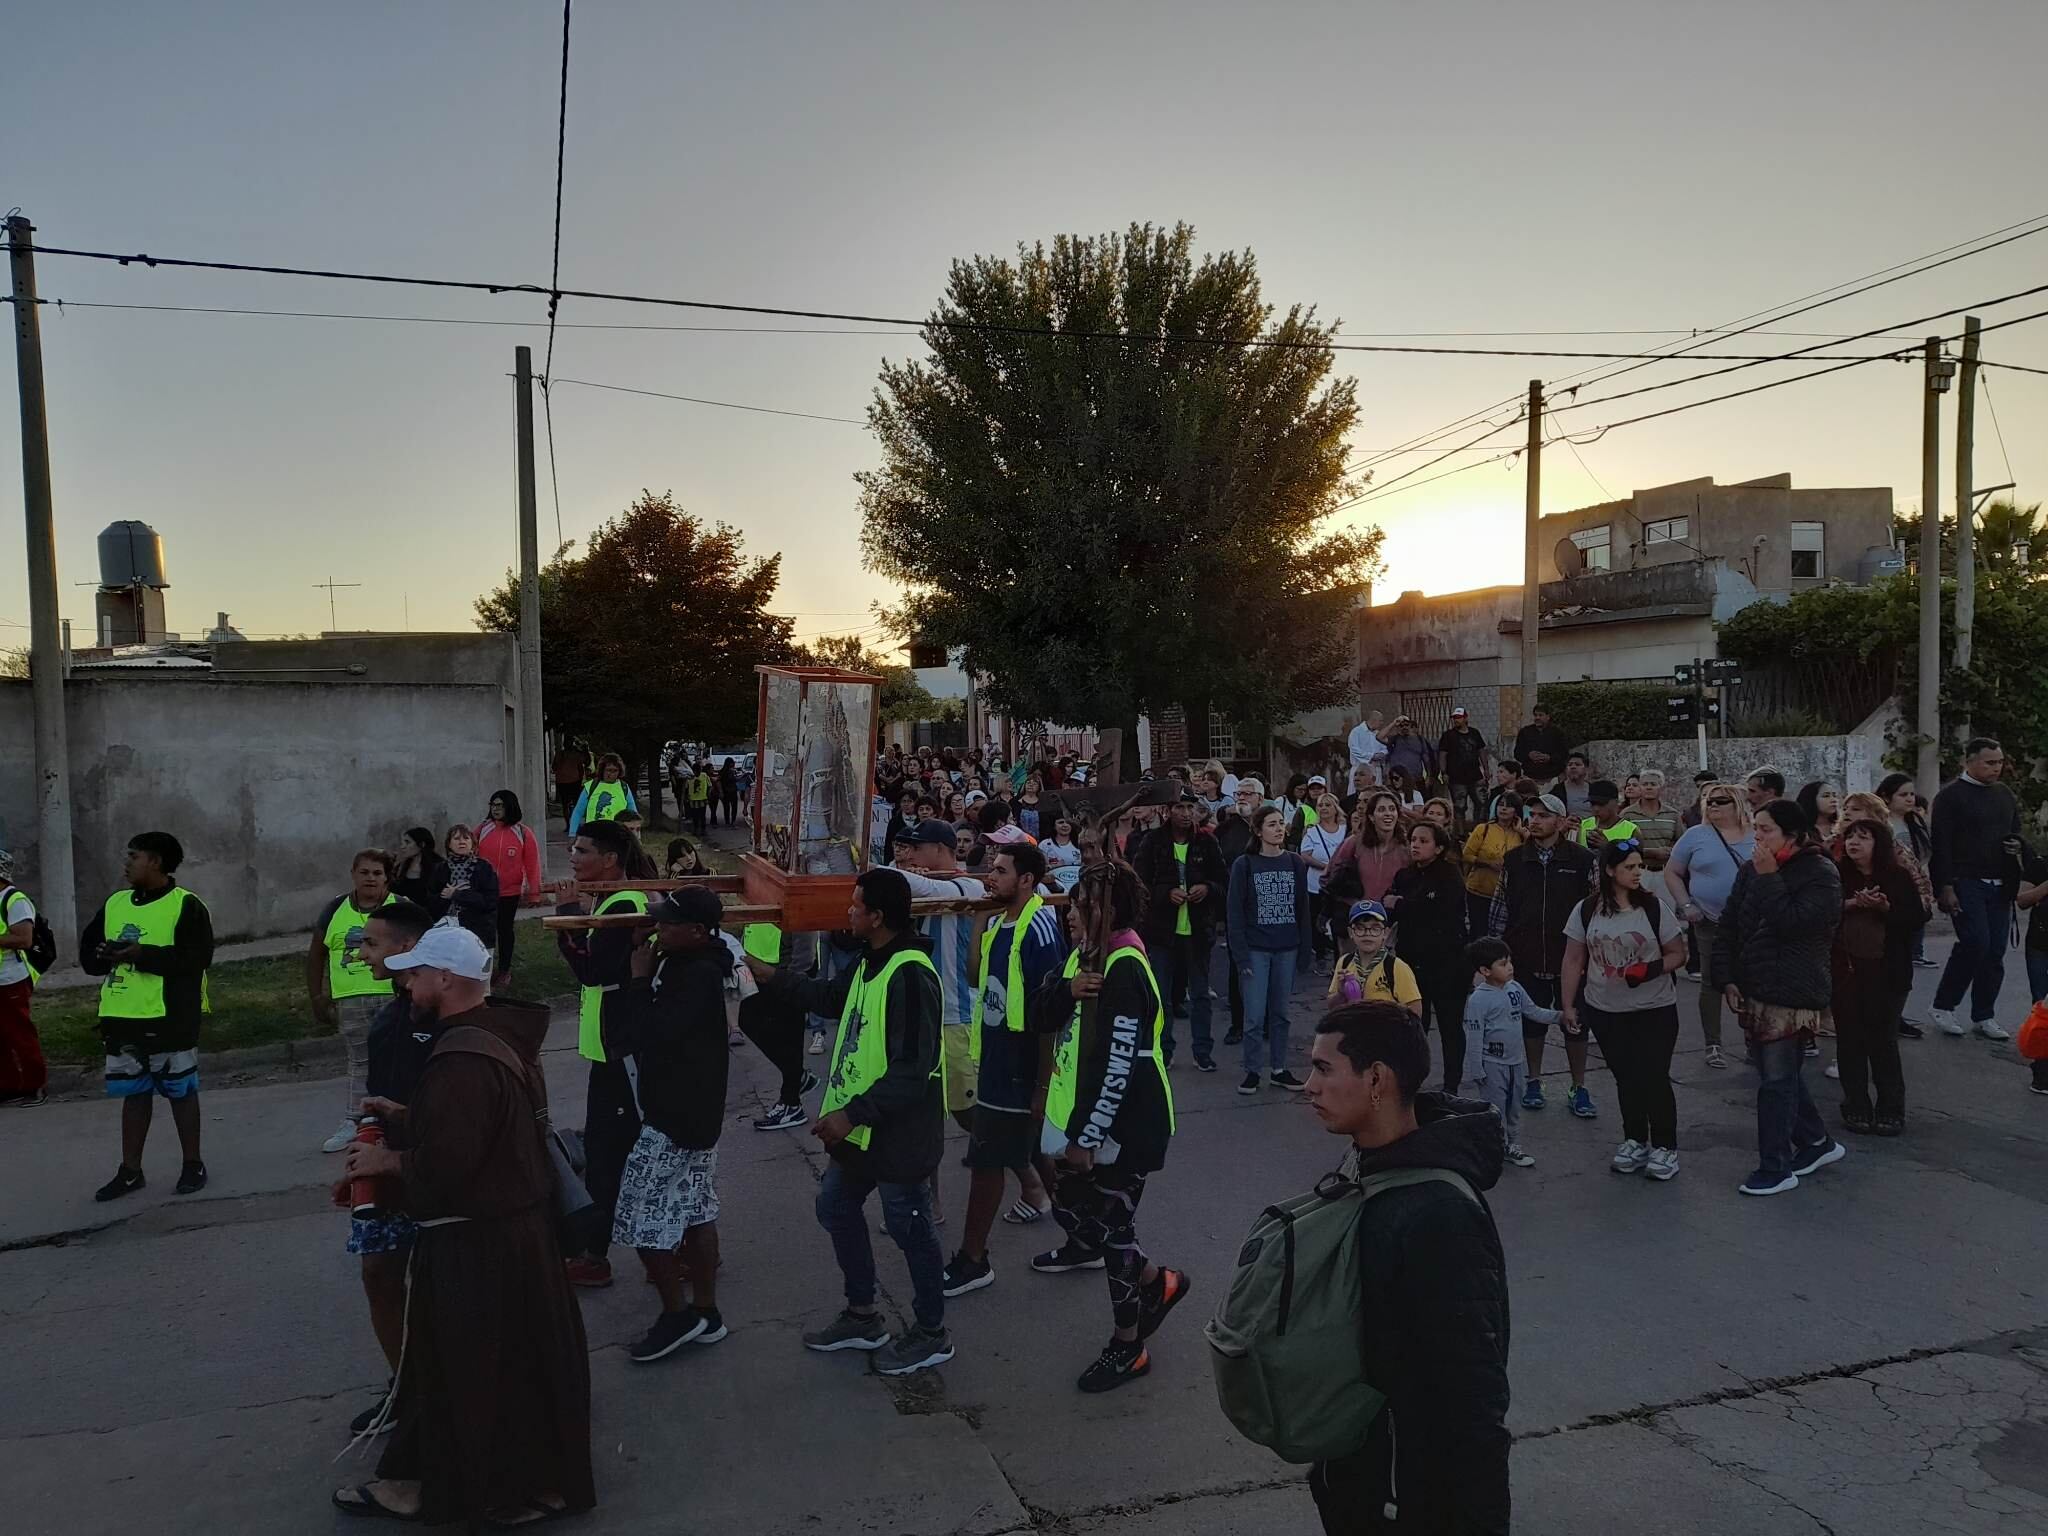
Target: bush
1612	711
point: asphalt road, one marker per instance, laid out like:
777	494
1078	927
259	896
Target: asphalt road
1866	1355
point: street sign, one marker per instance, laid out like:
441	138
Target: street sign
1682	707
1685	674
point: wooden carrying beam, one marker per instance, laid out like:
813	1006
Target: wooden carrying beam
763	912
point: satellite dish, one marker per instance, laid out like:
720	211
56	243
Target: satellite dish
1571	560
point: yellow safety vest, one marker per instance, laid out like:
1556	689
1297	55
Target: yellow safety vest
860	1055
1621	830
1013	991
128	993
763	941
700	789
606	801
1066	1054
348	973
590	1005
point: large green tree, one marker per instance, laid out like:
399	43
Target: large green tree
903	697
652	633
1111	496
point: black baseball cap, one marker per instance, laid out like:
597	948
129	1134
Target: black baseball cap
692	904
933	832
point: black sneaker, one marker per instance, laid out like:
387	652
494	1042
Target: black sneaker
809	1081
1205	1064
1118	1363
783	1117
1286	1079
964	1274
1160	1298
125	1181
917	1350
848	1330
1233	1036
362	1422
671	1331
191	1178
1908	1030
1250	1084
1067	1258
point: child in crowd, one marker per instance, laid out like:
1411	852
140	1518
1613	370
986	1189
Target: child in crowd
1495	1068
1371	973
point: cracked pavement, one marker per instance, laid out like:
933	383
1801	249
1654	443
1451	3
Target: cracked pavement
1867	1355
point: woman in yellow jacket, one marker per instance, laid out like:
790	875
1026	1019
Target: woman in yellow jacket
1486	851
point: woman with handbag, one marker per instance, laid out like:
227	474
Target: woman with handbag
1698	876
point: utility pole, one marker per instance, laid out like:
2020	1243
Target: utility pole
1966	511
1532	608
58	885
532	735
1927	770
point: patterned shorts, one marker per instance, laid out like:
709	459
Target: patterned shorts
174	1074
392	1233
665	1190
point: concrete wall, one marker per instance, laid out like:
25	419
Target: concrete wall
423	658
271	786
1848	762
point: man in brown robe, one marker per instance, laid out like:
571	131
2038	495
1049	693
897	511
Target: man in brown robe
494	1384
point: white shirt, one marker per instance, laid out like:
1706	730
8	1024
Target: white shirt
1365	745
1319	842
13	967
952	938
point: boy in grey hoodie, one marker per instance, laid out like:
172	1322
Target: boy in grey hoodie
1495	1070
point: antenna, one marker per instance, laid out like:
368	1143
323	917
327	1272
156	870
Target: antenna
330	584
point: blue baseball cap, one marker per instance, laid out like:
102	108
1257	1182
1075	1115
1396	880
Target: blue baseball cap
1364	909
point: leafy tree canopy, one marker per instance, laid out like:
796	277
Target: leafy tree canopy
1109	526
903	696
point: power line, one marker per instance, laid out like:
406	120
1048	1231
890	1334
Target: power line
1996	428
1985	362
766	410
533	325
547	368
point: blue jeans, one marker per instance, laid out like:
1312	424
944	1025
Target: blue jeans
1787	1122
1268	982
907	1214
1977	964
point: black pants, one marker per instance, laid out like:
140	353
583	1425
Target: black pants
731	803
508	917
1443	1002
778	1030
1867	1045
1637	1048
1098	1210
611	1124
700	812
566	796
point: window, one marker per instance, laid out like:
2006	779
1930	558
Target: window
1430	709
1809	551
1223	742
1593	544
1666	530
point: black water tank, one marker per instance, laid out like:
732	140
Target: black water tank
131	555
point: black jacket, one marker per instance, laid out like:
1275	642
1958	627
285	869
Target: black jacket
1159	871
1435	1312
1429	919
1119	1097
182	963
1905	918
1971	823
397	1050
673	1025
1777	933
1539	899
906	1105
1233	839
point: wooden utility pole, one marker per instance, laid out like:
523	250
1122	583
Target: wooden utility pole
532	774
1532	509
1927	770
1966	495
57	886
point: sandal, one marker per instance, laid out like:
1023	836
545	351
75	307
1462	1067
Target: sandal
1890	1125
1857	1120
367	1505
1024	1213
532	1512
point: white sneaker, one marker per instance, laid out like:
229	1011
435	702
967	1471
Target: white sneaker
1834	1071
1990	1031
341	1139
1520	1158
1630	1157
1945	1020
1663	1163
818	1044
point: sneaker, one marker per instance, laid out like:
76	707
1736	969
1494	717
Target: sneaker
1813	1158
1925	964
818	1044
2037	1087
1519	1158
1946	1021
1630	1157
191	1179
1532	1096
1832	1072
26	1100
1155	1301
848	1331
1250	1083
593	1274
1692	973
1761	1183
1286	1079
1810	1051
345	1134
1990	1030
1908	1030
783	1117
1715	1059
1582	1103
1663	1163
1067	1258
1233	1036
964	1274
1118	1363
917	1350
125	1181
362	1423
671	1331
1205	1064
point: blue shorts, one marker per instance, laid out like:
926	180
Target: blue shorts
394	1232
173	1074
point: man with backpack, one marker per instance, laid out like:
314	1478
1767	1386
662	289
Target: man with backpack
27	949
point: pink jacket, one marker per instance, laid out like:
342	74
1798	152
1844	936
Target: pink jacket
514	852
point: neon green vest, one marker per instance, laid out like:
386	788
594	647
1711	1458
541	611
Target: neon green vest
128	993
861	1053
348	973
1066	1055
606	800
1013	991
763	941
1621	830
590	1005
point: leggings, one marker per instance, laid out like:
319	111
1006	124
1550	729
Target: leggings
1638	1049
508	917
778	1029
1098	1210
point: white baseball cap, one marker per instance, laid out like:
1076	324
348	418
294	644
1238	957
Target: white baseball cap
446	947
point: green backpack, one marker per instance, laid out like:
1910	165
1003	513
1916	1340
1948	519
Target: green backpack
1285	1344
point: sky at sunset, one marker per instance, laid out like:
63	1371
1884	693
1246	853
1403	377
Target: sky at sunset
1592	165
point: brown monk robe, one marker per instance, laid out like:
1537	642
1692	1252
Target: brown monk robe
494	1394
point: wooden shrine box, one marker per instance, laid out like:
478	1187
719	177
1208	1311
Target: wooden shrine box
814	779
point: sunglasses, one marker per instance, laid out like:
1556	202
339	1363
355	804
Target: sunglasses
1627	845
1721	800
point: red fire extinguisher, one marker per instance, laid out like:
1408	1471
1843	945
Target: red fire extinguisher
369	1197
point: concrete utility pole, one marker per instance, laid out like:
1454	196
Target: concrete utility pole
57	883
533	767
1966	547
1927	770
1532	609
